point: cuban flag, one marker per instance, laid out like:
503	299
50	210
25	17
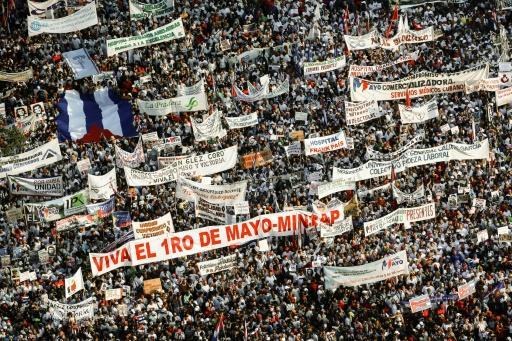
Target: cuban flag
88	117
218	328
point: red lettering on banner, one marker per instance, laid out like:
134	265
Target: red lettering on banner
99	265
175	244
232	232
204	238
303	220
140	251
215	237
254	225
335	214
283	224
148	249
313	220
188	242
246	232
125	255
114	257
266	225
324	219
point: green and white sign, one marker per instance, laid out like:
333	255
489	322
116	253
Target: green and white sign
140	10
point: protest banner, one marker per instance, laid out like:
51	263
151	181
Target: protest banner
400	216
151	228
241	207
418	114
168	142
74	222
52	187
293	149
297	135
81	19
489	84
335	186
357	113
217	265
414	157
242	121
152	285
388	267
418	85
102	186
301	116
165	161
370	40
208	211
113	294
143	10
171	31
209	128
365	70
190	242
121	219
102	209
12	215
59	208
79	311
127	159
257	159
410	197
38	157
74	283
420	303
179	104
15	77
39	9
466	290
216	194
324	144
503	96
80	63
336	229
325	66
83	166
263	93
195	89
378	156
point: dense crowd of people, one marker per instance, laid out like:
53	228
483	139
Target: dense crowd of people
278	294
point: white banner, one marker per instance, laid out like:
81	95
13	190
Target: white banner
466	290
360	112
335	186
152	228
142	10
80	63
264	92
419	114
195	89
325	66
421	84
415	157
325	144
420	303
79	311
41	156
378	156
242	121
14	77
217	265
489	84
409	197
209	211
102	186
171	31
164	107
294	149
399	216
504	96
39	9
209	128
197	165
113	294
127	159
370	40
74	222
62	207
81	19
365	70
52	187
216	194
74	283
190	242
351	276
328	231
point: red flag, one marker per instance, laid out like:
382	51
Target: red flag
394	18
346	21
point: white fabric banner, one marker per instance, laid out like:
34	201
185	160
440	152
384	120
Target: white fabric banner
264	92
152	228
15	77
421	84
80	63
351	276
370	40
294	149
504	96
81	19
141	10
74	222
52	187
335	186
336	229
419	114
466	290
209	128
190	242
39	9
171	31
489	84
360	112
400	216
378	156
74	283
102	186
409	197
197	165
217	265
325	66
420	303
164	107
127	159
216	194
38	157
62	207
325	144
365	70
415	157
113	294
209	211
80	311
195	89
242	121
